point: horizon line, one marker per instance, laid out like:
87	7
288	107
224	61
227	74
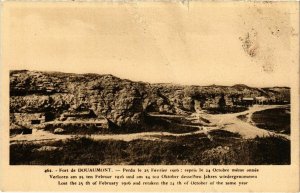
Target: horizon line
149	82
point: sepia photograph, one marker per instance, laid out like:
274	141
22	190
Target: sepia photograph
149	96
150	84
97	86
62	118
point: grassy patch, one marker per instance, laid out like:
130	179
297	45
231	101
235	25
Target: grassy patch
273	150
277	120
172	124
225	110
226	148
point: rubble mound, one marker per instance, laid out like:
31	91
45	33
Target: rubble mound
123	102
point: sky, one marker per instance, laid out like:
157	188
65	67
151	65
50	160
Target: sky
197	43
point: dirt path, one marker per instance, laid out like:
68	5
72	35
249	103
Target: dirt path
228	122
40	135
231	123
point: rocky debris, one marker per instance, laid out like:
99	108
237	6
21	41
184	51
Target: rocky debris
122	102
47	148
59	131
24	82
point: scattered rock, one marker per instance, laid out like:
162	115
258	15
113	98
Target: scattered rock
46	148
59	131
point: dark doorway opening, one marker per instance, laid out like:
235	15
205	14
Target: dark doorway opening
35	122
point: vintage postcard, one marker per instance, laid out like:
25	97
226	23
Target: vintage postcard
150	96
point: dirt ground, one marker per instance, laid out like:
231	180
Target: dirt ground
228	122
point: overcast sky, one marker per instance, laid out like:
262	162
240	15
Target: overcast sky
201	44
